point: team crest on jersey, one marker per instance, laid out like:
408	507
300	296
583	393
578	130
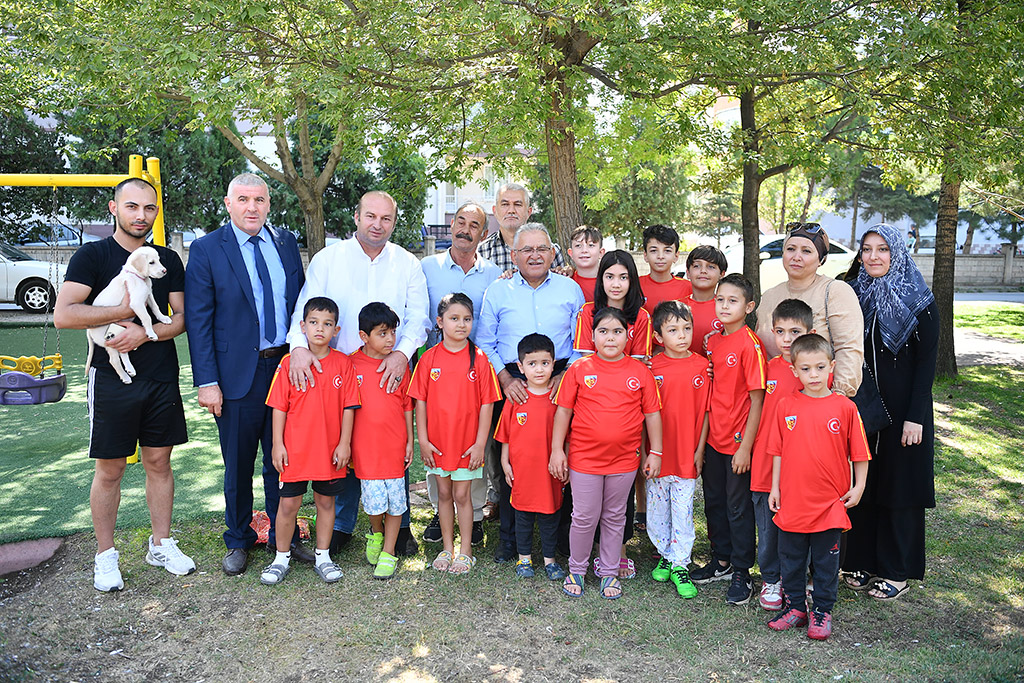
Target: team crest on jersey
633	384
731	360
790	422
337	381
435	373
716	324
698	381
660	379
769	386
590	380
834	425
521	418
359	380
738	437
472	375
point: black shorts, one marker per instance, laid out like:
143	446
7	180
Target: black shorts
120	415
293	489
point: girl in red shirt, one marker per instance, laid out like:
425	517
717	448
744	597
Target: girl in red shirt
608	397
455	388
619	288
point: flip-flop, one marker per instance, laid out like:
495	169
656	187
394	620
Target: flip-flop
464	564
443	561
611	582
889	591
859	580
573	580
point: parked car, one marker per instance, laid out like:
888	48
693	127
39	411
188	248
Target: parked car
772	272
27	282
63	236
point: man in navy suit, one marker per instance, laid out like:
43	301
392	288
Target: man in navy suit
241	284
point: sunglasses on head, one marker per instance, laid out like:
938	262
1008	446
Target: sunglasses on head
806	227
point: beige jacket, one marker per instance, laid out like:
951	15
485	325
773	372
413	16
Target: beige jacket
844	327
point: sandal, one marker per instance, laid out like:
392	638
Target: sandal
888	591
386	566
443	561
274	574
611	583
626	565
573	580
554	571
328	571
859	580
524	569
640	522
462	564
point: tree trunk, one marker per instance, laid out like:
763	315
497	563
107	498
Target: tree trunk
565	186
751	190
969	239
807	202
782	212
945	270
853	221
312	204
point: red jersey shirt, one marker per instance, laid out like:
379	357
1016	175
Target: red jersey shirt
378	435
640	340
739	369
676	289
685	388
780	382
704	322
587	284
454	396
609	401
816	439
527	429
312	429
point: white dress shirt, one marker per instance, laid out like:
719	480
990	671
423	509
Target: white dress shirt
346	274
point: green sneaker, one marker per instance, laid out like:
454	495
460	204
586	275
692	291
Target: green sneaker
684	586
386	566
662	571
374	544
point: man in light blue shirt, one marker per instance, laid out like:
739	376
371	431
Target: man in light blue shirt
533	300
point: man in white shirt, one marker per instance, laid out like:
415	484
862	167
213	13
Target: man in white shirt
354	272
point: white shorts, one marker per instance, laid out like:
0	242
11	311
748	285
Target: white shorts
384	495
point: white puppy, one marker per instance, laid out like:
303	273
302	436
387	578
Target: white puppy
143	264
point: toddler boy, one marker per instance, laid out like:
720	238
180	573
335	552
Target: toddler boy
586	251
705	266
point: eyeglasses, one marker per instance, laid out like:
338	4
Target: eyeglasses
530	251
806	227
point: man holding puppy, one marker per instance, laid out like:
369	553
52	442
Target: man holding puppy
148	411
241	285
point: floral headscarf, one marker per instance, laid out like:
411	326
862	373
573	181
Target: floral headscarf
893	300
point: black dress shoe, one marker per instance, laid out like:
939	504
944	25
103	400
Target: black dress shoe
301	553
405	544
235	561
478	533
505	554
339	539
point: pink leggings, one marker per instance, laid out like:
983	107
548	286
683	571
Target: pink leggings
598	498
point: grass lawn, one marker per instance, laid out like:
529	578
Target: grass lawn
964	622
996	319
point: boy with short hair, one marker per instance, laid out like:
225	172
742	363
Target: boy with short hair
682	378
737	394
524	431
661	250
312	433
790	319
586	251
381	438
815	435
705	266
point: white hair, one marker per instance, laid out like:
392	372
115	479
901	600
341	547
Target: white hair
247	180
530	227
513	187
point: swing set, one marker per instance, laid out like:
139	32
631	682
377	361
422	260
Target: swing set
32	380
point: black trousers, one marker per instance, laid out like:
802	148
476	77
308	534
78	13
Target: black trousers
729	510
824	551
547	524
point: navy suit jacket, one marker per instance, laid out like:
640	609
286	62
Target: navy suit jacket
220	310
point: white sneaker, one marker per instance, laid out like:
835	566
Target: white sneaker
771	596
168	556
106	576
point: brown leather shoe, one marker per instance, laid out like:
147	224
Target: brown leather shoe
491	511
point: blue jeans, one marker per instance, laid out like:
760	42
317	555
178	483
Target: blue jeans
767	539
346	504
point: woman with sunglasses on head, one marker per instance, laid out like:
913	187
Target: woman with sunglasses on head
837	314
885	546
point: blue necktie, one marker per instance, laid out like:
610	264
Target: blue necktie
269	321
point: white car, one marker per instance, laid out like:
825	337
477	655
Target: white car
772	272
27	282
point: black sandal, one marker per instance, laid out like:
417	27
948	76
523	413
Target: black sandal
859	580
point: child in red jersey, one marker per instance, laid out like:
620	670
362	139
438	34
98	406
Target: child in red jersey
619	288
381	439
661	251
790	319
737	394
682	378
524	430
312	433
815	434
705	266
608	398
454	386
586	251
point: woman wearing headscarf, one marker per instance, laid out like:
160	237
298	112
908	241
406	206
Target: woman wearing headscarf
837	315
885	547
